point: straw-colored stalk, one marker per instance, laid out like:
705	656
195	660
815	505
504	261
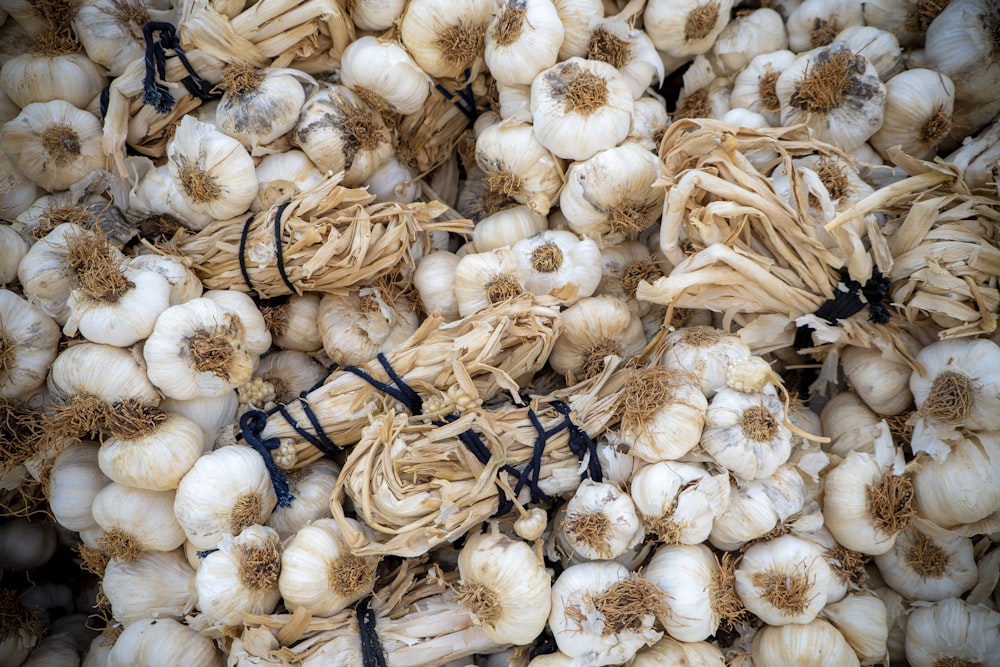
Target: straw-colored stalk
332	237
417	486
431	135
496	349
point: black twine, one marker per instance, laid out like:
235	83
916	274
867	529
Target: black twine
242	256
277	247
371	647
402	392
154	92
252	424
318	439
463	99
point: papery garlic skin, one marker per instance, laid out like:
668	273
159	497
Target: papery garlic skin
678	502
29	342
384	74
880	47
850	424
157	460
74	481
258	106
393	182
55	144
293	324
756	507
814	644
754	87
918	113
783	580
631	51
159	584
592	329
952	631
212	415
663	417
240	578
311	487
960	44
109	373
281	176
576	17
649	120
434	279
516	166
158	642
506	227
862	618
319	571
706	353
745	433
816	23
965	486
17	191
580	107
959	387
600	522
686	574
119	319
225	491
357	325
684	29
111	30
761	31
560	263
522	39
445	37
883	384
376	14
184	284
485	278
139	518
929	563
505	586
241	304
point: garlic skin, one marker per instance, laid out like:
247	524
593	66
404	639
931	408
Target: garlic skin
320	572
156	460
111	30
850	424
594	328
959	43
918	113
311	487
880	47
42	77
517	167
114	318
25	544
623	266
340	132
761	31
580	107
225	491
862	618
109	373
958	388
560	263
212	415
757	507
393	182
293	324
198	348
17	191
358	324
576	17
240	578
485	278
434	279
506	227
814	644
54	144
745	433
600	522
629	50
929	563
281	176
678	502
834	91
289	373
683	29
158	642
522	39
649	120
241	304
258	106
613	195
505	586
816	23
668	651
883	384
376	15
952	631
754	87
906	19
212	171
74	481
704	352
688	576
965	486
579	624
783	580
663	416
383	74
184	284
155	192
446	38
29	341
45	274
136	520
159	584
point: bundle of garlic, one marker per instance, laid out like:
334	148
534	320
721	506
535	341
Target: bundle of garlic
325	238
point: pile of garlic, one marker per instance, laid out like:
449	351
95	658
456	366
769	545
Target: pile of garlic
726	520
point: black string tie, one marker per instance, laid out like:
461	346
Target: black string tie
277	248
371	647
463	99
581	444
317	438
154	92
398	388
252	424
242	257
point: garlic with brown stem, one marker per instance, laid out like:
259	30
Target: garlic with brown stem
358	324
908	20
258	106
704	94
918	113
624	265
880	47
505	586
159	584
517	167
814	644
576	16
445	37
928	563
28	345
292	324
962	488
20	629
748	35
593	329
745	432
684	29
383	74
485	278
154	453
615	41
678	502
649	120
704	352
600	522
136	520
957	387
816	23
961	44
952	632
158	642
662	414
111	30
522	39
559	263
755	86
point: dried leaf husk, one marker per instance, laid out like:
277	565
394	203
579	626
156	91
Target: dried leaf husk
332	237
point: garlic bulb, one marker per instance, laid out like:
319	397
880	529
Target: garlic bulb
816	23
834	91
522	39
952	631
624	265
918	113
341	132
281	176
225	491
158	642
55	73
813	644
783	580
687	28
601	614
311	486
28	344
17	191
393	182
376	14
850	424
198	348
580	107
258	106
882	383
288	374
55	144
576	17
74	481
213	172
958	388
678	502
110	374
906	19
155	193
212	415
136	520
111	30
704	94
293	325
159	584
755	86
862	618
613	195
156	456
184	284
506	227
668	652
321	573
706	353
517	167
258	339
559	263
484	278
649	120
960	44
21	629
760	31
697	592
358	324
929	563
600	522
446	37
630	51
241	577
880	47
434	279
594	328
662	414
384	75
962	488
505	587
26	544
745	433
757	507
56	648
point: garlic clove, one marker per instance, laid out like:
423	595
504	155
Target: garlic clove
158	642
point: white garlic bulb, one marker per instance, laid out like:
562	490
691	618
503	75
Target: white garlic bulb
692	582
882	383
108	373
615	41
485	278
957	387
593	329
962	488
54	74
649	120
434	279
506	227
580	107
155	457
613	195
591	624
159	584
929	563
684	29
17	191
624	265
289	374
757	507
258	106
158	642
559	263
862	618
706	353
111	30
393	182
814	644
55	144
918	113
745	433
522	39
74	481
952	631
319	571
760	31
906	19
662	414
755	86
225	491
783	580
960	44
678	502
517	167
816	23
258	339
155	192
136	520
576	17
850	424
376	14
383	74
183	282
26	544
446	37
505	586
240	577
834	91
358	324
28	345
600	522
281	176
212	415
880	47
311	486
668	651
292	324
